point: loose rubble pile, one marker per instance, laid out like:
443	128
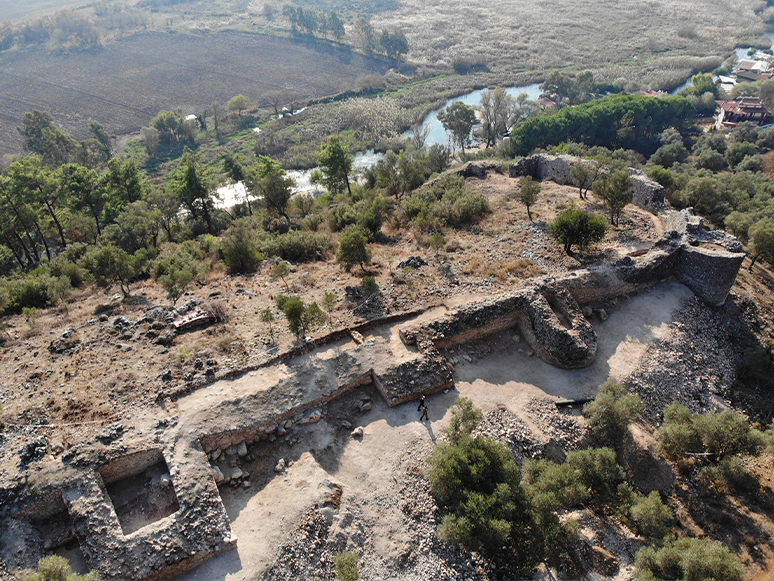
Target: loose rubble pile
568	431
696	365
327	530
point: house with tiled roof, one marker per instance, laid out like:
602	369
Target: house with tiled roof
732	113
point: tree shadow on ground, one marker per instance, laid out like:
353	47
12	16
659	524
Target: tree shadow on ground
730	518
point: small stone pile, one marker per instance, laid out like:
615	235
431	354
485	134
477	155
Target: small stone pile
502	426
569	431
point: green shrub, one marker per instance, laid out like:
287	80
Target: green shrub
56	568
477	479
369	285
238	246
688	559
347	568
340	216
301	318
555	486
176	267
650	515
108	265
611	412
296	246
730	476
718	434
353	249
465	418
32	291
599	472
575	227
677	435
589	476
62	266
727	433
446	202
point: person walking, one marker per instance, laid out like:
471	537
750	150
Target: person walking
424	414
421	403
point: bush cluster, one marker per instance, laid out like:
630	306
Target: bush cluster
446	203
716	438
688	559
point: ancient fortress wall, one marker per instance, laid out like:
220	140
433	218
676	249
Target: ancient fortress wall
82	494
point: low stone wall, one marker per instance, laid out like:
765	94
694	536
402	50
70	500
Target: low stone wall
470	169
530	310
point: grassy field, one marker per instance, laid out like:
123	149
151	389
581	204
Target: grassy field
525	34
16	9
184	62
125	84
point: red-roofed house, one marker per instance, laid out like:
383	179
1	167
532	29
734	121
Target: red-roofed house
732	113
753	70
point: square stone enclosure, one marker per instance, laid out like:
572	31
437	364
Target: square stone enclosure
53	523
140	488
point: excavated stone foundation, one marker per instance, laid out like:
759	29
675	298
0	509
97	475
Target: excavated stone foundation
141	501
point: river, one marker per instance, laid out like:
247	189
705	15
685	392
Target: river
235	193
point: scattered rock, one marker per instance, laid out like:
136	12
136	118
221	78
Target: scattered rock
165	340
122	322
110	433
412	262
280	467
33	450
357	432
312	417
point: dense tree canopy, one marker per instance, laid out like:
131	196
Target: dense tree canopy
616	121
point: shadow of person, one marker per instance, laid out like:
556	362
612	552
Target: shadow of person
429	427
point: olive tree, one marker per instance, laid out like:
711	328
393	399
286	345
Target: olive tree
575	227
353	249
458	119
615	190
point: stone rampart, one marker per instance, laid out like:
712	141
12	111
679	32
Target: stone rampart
646	193
535	312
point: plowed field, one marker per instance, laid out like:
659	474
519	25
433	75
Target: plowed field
125	84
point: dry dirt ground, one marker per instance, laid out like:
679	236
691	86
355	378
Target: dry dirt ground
507	378
380	504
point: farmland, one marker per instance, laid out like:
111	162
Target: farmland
193	54
125	84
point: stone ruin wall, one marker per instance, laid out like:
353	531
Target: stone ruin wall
646	193
549	314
